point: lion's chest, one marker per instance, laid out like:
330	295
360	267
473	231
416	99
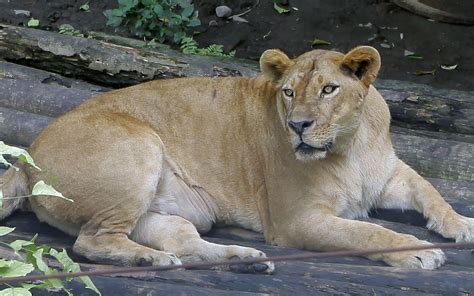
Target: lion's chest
360	189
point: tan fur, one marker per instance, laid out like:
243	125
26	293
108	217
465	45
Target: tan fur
151	165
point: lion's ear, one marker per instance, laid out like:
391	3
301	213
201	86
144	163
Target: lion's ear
273	63
363	62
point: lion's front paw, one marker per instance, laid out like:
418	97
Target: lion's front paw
423	259
238	252
456	227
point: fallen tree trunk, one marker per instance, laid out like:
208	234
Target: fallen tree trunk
128	63
437	158
106	63
417	110
35	91
21	128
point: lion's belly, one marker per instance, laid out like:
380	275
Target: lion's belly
175	196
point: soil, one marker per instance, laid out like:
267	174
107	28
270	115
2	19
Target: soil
344	24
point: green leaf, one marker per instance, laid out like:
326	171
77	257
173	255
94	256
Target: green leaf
125	2
449	67
1	199
21	154
117	12
70	266
85	7
425	72
5	230
15	291
114	21
42	266
187	11
158	9
280	9
42	188
320	42
33	22
148	2
414	57
13	268
194	23
19	244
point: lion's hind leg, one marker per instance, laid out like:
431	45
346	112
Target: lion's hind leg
177	235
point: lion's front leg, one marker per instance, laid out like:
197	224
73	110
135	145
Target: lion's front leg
322	231
408	190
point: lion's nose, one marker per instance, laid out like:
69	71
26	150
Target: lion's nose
299	126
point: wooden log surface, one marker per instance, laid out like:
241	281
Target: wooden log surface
104	62
350	275
21	128
118	61
436	158
36	91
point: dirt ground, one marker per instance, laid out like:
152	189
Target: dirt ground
344	24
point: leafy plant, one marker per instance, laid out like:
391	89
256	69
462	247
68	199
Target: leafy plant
154	19
318	41
67	29
33	261
279	9
32	22
190	46
85	7
40	188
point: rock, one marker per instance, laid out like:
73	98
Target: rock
213	23
223	11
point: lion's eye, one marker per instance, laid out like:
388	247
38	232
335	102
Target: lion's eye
329	88
288	92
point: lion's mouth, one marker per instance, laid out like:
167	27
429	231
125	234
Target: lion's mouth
307	149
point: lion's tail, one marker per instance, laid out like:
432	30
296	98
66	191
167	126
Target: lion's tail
13	183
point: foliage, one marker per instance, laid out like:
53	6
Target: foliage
40	188
67	29
154	19
279	9
34	262
85	7
19	153
190	46
32	22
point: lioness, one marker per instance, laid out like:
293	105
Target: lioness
295	153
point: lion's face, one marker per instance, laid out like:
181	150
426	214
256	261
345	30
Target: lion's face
320	96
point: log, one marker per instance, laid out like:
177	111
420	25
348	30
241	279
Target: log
351	275
436	158
21	128
106	63
35	91
127	61
415	110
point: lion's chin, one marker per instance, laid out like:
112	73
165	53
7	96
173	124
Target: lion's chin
307	156
306	152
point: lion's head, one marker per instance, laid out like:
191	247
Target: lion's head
320	95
